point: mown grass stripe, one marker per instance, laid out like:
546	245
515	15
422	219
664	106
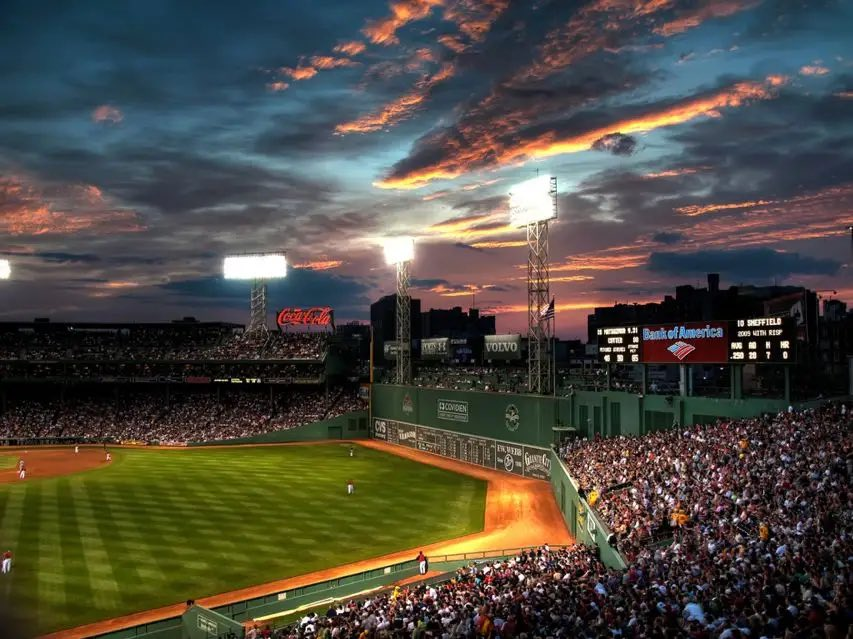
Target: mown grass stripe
159	526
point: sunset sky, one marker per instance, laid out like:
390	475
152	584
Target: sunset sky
140	142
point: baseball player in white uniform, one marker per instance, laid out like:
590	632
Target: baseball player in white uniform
350	487
22	469
7	562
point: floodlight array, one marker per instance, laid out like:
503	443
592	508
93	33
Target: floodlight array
5	270
399	250
532	201
255	267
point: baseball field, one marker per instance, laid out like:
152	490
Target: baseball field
157	527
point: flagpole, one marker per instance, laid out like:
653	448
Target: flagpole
554	350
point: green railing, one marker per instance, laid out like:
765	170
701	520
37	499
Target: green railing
316	593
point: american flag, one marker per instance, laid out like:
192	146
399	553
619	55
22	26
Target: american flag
548	313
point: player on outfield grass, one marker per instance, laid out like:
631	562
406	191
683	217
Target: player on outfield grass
352	451
7	562
350	487
109	456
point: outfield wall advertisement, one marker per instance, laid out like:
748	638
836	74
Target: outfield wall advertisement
502	347
518	459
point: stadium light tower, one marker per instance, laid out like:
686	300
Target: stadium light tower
5	270
399	252
533	204
259	268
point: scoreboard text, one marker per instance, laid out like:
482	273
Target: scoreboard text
761	340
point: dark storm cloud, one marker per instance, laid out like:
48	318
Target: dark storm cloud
427	283
616	143
666	237
743	264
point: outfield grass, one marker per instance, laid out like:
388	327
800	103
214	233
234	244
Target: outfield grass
160	526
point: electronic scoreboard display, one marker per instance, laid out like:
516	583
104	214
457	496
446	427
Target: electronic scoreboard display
619	345
762	340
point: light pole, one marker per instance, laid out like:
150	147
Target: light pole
532	205
259	268
399	252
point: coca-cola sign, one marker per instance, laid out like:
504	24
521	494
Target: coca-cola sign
315	316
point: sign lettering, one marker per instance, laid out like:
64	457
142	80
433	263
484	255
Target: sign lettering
314	316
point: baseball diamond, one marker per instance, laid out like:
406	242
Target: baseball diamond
159	526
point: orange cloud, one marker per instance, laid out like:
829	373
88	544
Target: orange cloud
500	244
107	289
400	108
844	95
331	62
277	86
558	306
350	48
300	72
435	196
452	42
474	18
813	69
694	210
487	150
674	172
693	17
30	209
107	113
384	30
319	265
616	259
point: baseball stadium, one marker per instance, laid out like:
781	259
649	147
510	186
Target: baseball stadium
243	393
201	480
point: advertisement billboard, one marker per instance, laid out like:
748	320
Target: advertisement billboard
436	348
502	347
314	316
452	410
685	343
389	350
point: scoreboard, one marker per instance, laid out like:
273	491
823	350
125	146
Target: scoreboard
761	340
519	459
619	344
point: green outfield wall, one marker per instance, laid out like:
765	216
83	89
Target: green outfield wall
348	426
580	519
531	419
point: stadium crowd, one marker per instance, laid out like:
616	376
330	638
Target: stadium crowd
152	343
759	519
148	417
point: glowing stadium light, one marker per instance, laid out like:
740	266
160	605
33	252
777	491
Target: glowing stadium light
255	267
533	201
399	250
5	270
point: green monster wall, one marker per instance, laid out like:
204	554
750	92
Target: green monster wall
530	419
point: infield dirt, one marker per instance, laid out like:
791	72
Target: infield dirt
51	462
519	512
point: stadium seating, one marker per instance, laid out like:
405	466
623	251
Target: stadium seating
152	343
186	417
